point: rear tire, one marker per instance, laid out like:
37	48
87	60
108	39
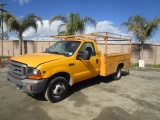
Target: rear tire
57	89
118	74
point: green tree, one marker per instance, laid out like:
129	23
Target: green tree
21	25
73	23
141	28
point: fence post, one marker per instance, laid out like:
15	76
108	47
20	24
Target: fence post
8	58
155	56
0	62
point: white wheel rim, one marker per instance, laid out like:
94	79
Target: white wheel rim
118	74
58	90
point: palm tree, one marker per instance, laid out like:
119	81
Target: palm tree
21	25
141	28
73	23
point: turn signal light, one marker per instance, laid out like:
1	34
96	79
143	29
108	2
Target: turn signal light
37	76
30	87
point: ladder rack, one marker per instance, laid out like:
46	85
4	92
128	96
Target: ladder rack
98	36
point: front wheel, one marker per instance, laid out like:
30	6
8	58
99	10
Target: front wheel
117	75
56	89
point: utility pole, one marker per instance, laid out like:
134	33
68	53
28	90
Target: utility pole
2	10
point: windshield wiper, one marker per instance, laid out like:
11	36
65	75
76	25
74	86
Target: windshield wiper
55	52
46	50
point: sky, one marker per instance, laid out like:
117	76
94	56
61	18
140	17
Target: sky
109	14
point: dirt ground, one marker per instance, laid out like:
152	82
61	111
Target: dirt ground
136	96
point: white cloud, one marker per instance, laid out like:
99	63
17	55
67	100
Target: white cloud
4	28
22	2
13	38
102	26
43	31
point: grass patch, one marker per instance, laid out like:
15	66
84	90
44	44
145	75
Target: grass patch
157	66
3	57
154	66
136	65
4	60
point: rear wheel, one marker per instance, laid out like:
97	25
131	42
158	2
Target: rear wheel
56	89
117	75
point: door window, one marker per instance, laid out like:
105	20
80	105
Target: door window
87	46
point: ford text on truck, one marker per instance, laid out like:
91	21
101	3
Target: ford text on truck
72	59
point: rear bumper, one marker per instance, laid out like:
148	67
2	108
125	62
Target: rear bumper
27	85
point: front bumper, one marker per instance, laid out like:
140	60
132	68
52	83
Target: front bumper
27	85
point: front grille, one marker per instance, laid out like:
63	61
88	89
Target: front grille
18	70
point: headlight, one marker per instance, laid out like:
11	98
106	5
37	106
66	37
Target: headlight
34	73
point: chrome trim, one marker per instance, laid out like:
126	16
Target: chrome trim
18	70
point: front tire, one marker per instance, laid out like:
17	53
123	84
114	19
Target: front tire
57	89
118	74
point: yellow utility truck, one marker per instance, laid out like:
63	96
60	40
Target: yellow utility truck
71	59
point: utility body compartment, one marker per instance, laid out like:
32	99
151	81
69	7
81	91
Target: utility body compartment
109	63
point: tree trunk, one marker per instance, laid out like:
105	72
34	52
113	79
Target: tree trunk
141	51
20	44
25	47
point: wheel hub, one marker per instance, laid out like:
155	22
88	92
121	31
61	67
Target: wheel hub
118	73
58	90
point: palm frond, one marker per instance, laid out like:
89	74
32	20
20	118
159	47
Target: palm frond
57	17
35	17
63	33
12	23
81	26
152	26
137	19
61	25
28	23
88	19
72	23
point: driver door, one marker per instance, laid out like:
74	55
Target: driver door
85	69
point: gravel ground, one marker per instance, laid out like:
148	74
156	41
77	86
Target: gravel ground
136	96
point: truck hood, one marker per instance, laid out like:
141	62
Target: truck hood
33	60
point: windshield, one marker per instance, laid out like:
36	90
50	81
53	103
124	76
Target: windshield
66	48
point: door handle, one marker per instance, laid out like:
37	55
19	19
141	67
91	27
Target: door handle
97	61
71	64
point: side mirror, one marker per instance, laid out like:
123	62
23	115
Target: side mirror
46	50
84	56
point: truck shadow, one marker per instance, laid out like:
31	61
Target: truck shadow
82	85
91	82
39	97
